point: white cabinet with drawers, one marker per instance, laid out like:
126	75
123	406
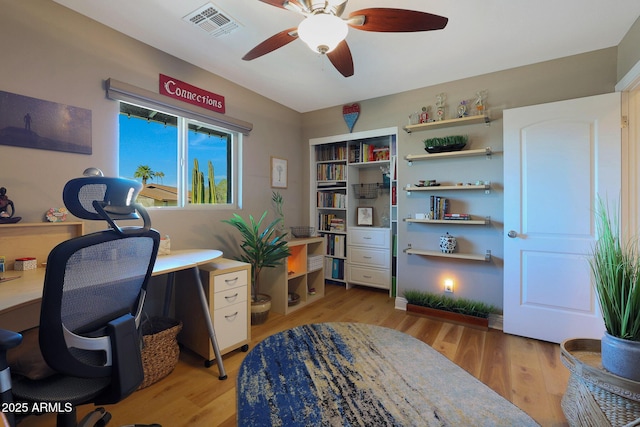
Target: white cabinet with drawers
226	285
369	257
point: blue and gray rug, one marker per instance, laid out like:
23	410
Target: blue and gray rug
354	374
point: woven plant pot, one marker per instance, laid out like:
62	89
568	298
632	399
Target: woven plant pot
160	351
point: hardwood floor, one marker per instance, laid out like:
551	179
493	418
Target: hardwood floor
525	371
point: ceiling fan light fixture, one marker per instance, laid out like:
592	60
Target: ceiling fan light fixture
322	32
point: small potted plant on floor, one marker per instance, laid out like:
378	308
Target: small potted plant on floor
616	277
260	248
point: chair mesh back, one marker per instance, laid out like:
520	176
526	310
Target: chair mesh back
103	281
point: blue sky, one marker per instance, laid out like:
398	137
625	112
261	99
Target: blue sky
155	145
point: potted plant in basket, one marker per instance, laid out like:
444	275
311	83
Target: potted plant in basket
616	277
260	249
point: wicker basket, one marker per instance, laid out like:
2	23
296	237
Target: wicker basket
302	231
595	397
160	351
365	191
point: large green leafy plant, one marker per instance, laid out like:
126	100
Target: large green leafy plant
616	272
260	248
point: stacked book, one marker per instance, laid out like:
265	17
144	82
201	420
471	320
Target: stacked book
314	262
457	216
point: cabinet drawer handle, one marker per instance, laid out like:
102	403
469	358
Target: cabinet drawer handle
366	277
366	257
231	298
231	317
231	281
367	238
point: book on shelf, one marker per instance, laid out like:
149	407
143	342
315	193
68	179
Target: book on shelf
457	216
331	152
438	207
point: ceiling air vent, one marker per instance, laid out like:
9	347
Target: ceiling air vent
212	20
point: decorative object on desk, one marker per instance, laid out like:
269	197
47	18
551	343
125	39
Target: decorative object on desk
448	243
615	264
56	215
42	127
441	106
358	374
160	350
445	144
278	173
260	249
165	245
27	263
7	209
351	114
364	216
480	102
303	231
278	202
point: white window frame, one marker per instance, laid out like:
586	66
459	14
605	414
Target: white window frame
124	92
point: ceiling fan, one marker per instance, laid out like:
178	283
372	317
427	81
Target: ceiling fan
324	31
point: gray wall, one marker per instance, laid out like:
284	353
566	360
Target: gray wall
572	77
52	53
628	51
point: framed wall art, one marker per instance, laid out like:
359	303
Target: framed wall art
364	216
278	173
35	123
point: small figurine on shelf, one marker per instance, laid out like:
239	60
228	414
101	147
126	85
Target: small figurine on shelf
462	109
424	115
7	209
481	98
440	106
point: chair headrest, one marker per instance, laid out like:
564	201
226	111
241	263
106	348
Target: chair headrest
104	198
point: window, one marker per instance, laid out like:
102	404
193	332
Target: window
180	161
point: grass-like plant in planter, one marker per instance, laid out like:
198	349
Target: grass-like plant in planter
459	310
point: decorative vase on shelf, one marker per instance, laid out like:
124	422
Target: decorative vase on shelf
448	243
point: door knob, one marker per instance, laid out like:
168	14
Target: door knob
513	234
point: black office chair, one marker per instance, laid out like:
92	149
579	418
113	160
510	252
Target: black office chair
94	290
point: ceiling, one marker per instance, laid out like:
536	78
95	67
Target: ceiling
481	37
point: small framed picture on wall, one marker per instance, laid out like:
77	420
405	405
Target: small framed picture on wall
278	173
364	216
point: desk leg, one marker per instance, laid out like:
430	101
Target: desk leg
168	293
209	323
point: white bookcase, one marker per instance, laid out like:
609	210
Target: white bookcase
348	172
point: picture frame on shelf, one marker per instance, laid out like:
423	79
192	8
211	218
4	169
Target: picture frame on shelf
278	172
364	216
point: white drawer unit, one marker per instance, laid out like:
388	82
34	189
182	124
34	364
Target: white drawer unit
370	237
369	257
226	285
372	257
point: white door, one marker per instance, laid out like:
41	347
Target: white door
558	158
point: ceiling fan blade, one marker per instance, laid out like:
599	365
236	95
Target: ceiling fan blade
272	43
341	58
388	20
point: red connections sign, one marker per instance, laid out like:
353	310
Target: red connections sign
177	89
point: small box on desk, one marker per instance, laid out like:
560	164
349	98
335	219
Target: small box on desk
25	264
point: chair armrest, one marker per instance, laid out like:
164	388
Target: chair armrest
9	340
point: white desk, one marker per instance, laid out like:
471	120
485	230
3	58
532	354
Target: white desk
20	298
